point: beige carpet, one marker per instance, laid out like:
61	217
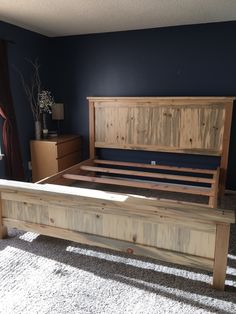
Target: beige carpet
39	274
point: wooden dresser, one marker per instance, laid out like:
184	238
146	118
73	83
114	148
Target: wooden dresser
50	156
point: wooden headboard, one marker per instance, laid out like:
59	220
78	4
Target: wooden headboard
193	125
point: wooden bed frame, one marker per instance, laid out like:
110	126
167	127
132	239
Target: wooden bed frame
190	125
186	234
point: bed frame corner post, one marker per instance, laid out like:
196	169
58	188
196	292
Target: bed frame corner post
225	147
221	253
91	129
213	200
3	229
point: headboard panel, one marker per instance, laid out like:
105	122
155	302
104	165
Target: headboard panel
194	125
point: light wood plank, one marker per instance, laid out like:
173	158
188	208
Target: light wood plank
91	129
225	143
191	125
147	174
3	229
162	232
64	195
213	200
95	207
191	129
144	185
155	148
58	179
159	254
149	166
221	252
182	99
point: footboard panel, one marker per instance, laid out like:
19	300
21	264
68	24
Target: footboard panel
176	233
108	221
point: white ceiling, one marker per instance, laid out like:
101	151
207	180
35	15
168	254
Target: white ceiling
74	17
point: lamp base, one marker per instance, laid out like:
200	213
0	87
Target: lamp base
58	127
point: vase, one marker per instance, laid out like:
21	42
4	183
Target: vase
45	133
38	130
44	121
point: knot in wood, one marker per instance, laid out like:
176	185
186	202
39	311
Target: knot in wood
130	251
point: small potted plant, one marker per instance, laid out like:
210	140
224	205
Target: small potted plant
45	101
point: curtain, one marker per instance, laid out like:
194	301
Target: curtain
13	159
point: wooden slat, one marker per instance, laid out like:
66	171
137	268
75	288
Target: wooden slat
221	252
160	254
149	166
56	178
144	185
147	174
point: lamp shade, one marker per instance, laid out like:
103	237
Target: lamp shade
58	111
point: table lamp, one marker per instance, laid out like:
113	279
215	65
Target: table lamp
58	114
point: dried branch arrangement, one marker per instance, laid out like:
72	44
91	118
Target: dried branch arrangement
33	88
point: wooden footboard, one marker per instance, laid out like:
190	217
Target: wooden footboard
183	234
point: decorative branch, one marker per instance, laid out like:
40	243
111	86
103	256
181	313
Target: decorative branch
32	89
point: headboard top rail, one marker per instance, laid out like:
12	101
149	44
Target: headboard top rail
209	99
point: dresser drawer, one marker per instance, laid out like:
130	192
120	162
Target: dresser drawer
68	147
50	156
68	161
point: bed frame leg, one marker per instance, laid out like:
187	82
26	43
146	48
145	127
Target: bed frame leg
213	200
3	229
3	232
221	252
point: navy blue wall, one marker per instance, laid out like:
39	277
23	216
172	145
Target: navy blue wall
27	45
197	60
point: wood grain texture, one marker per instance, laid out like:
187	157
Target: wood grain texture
1	221
226	139
91	129
213	200
192	128
50	156
3	228
191	125
156	167
177	233
58	179
166	100
147	174
120	201
143	185
221	252
159	254
162	233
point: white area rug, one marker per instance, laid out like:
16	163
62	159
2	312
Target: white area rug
39	274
